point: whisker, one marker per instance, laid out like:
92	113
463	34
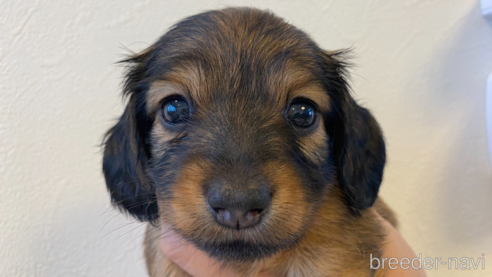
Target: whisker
142	224
108	222
126	224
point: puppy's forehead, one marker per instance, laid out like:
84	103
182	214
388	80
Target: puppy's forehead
236	58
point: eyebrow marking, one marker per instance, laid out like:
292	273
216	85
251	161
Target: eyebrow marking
314	93
161	89
297	80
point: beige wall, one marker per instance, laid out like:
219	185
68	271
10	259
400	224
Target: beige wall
421	68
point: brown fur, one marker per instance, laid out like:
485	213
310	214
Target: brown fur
240	69
342	251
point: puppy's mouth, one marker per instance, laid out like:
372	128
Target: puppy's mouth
245	245
238	250
238	242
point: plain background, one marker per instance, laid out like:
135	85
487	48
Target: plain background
421	68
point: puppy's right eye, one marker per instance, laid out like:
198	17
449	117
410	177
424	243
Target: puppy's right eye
175	110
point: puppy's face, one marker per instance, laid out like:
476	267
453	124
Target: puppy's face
237	127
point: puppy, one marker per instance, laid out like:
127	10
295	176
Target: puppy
241	133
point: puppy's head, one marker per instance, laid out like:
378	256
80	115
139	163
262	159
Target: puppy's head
237	126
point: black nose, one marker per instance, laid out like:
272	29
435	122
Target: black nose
237	206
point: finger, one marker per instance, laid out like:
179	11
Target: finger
396	247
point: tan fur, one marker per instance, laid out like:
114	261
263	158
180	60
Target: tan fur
162	89
336	244
386	212
311	144
188	210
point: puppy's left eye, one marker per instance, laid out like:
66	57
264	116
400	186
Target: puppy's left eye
175	110
302	114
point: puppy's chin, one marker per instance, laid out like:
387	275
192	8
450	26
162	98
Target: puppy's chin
240	250
246	245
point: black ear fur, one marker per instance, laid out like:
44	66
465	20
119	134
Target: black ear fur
358	144
362	159
124	165
126	154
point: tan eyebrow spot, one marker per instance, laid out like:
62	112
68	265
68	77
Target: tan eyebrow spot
314	93
296	80
183	80
160	90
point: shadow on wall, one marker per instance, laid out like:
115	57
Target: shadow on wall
457	87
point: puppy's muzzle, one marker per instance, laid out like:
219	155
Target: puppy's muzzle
238	206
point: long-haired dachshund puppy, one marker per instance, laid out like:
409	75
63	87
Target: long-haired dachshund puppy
240	132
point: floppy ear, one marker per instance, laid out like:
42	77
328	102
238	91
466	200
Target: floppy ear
362	157
124	164
126	154
359	150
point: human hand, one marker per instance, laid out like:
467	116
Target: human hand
397	247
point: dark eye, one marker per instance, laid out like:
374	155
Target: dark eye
302	114
175	110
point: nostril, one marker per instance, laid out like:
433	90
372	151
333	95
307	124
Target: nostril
224	216
252	215
255	212
218	210
237	207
